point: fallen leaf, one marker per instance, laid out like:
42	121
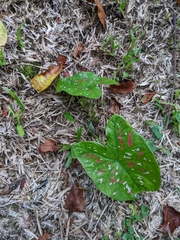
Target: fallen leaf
115	107
43	80
147	97
4	112
3	34
49	145
123	88
78	49
9	188
22	183
75	201
61	60
101	13
171	220
45	236
178	1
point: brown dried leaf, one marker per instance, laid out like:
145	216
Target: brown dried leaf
9	188
147	97
61	60
101	13
171	220
75	201
123	88
78	49
49	145
178	1
22	183
4	112
43	80
45	236
115	107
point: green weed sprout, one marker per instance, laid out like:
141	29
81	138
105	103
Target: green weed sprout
2	60
20	43
16	115
109	46
122	4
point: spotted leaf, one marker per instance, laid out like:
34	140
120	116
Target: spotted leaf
124	166
83	84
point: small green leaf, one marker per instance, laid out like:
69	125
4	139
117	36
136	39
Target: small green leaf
68	116
69	160
151	145
2	60
21	44
91	127
156	130
15	96
20	130
83	84
124	167
145	210
78	134
65	147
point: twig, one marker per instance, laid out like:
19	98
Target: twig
174	69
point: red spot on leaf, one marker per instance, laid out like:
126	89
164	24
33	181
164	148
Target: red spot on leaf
121	181
171	220
101	171
107	163
131	165
120	139
112	172
112	180
84	155
98	161
121	147
90	155
140	154
142	170
75	201
130	140
84	80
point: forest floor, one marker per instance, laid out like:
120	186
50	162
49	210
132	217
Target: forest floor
53	27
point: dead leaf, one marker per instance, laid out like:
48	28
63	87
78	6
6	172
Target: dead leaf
75	201
4	112
178	1
115	107
123	88
9	188
22	183
101	13
49	145
171	220
147	97
61	60
43	80
45	236
78	49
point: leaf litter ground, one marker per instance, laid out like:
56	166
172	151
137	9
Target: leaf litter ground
55	27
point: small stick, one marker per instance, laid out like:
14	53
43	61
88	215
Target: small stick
174	69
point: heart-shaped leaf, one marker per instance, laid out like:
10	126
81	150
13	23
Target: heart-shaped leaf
83	84
124	167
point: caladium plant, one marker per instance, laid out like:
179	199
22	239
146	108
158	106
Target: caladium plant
83	84
124	166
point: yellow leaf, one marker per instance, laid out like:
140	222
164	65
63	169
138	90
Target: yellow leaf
3	34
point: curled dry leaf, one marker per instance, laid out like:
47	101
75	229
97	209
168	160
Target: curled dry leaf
101	13
171	220
178	1
115	106
4	112
123	88
9	188
45	236
49	145
43	80
147	97
75	201
78	49
22	183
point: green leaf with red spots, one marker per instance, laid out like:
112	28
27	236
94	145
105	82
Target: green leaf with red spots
124	166
83	84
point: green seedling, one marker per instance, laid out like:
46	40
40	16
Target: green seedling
156	129
175	119
153	148
83	84
133	53
122	4
136	216
109	47
16	115
167	17
68	116
2	60
177	93
20	43
124	166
